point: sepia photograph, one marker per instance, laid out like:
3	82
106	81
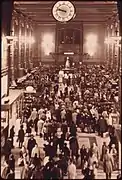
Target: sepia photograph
61	75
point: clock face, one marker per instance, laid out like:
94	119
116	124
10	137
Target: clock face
63	11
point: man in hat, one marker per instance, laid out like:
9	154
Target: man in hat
21	135
33	115
31	144
12	132
40	125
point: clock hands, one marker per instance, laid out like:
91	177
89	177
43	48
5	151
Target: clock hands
61	10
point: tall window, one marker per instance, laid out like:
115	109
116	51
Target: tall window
69	36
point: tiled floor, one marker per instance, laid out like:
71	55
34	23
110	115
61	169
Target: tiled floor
83	138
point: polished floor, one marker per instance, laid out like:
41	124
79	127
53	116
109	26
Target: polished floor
83	138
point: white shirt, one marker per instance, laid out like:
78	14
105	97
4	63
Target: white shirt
110	120
72	171
35	150
46	160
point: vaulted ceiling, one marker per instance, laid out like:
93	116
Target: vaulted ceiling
88	11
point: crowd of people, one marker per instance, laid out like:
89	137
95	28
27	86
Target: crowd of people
86	101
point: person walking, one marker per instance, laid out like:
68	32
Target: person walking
74	147
82	154
104	147
40	127
35	151
71	170
102	125
11	162
38	173
113	153
56	172
7	148
25	172
31	144
33	115
35	125
21	135
107	164
6	170
12	133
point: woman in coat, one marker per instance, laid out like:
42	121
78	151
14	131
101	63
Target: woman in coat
113	153
31	145
5	171
25	172
104	147
11	162
74	147
35	151
108	164
102	125
21	135
12	132
71	170
82	154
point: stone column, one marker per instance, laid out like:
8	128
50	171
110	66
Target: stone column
119	155
25	43
19	57
16	47
110	47
107	47
31	59
81	41
29	47
56	43
12	51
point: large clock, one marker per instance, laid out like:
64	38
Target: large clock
63	11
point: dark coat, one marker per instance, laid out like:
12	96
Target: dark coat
47	170
12	132
64	128
104	147
58	115
31	144
12	164
69	117
66	151
82	153
107	163
63	164
56	173
8	147
74	146
73	130
88	174
102	125
35	124
37	174
28	130
21	135
36	161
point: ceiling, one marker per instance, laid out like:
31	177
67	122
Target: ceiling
88	11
